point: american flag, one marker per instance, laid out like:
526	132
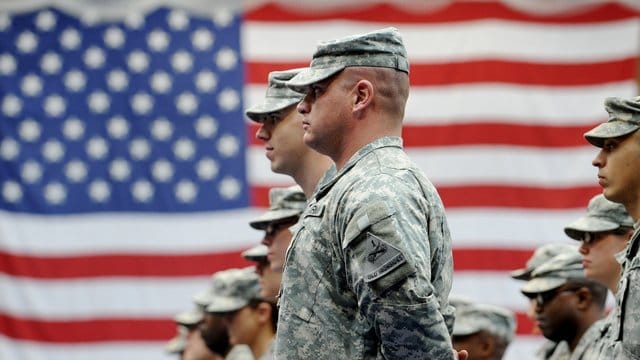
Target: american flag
129	172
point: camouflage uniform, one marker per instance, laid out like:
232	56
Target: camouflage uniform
554	273
624	119
541	255
369	270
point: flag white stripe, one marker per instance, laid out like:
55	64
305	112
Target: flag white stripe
437	42
130	233
79	299
507	103
511	228
476	165
82	299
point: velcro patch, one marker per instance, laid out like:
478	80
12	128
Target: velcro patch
381	258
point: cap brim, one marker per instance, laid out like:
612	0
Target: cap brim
226	304
189	318
609	130
270	216
543	284
576	229
521	274
259	112
309	76
461	328
176	345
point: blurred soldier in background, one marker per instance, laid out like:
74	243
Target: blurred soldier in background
213	329
484	330
604	233
541	255
285	207
178	343
618	162
250	320
281	130
269	279
566	304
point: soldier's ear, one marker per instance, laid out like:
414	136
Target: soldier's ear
585	298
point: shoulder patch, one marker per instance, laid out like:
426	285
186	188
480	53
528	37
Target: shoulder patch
381	258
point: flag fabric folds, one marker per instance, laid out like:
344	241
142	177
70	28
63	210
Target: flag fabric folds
128	172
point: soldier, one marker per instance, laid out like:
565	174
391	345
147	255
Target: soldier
195	347
281	130
618	162
178	343
250	320
604	232
368	272
285	207
269	279
484	330
212	328
567	304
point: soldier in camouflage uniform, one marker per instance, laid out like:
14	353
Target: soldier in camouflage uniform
604	232
368	273
250	319
568	305
618	162
212	328
484	330
281	130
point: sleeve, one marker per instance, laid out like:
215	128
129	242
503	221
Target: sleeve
388	261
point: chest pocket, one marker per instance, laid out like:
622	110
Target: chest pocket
630	308
308	262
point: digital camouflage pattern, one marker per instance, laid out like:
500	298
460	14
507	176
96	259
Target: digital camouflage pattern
624	118
625	326
602	215
369	270
240	352
278	97
555	272
380	48
600	346
473	317
541	255
238	287
284	203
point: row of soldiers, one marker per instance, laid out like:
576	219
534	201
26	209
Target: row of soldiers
368	250
566	285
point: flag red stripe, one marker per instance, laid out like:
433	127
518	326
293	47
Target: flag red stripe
481	133
121	329
482	71
492	196
455	12
92	330
139	265
143	265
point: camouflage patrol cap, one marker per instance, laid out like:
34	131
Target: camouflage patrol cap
190	318
380	48
541	255
602	215
555	273
473	317
257	253
240	287
177	344
278	97
624	118
217	283
284	203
